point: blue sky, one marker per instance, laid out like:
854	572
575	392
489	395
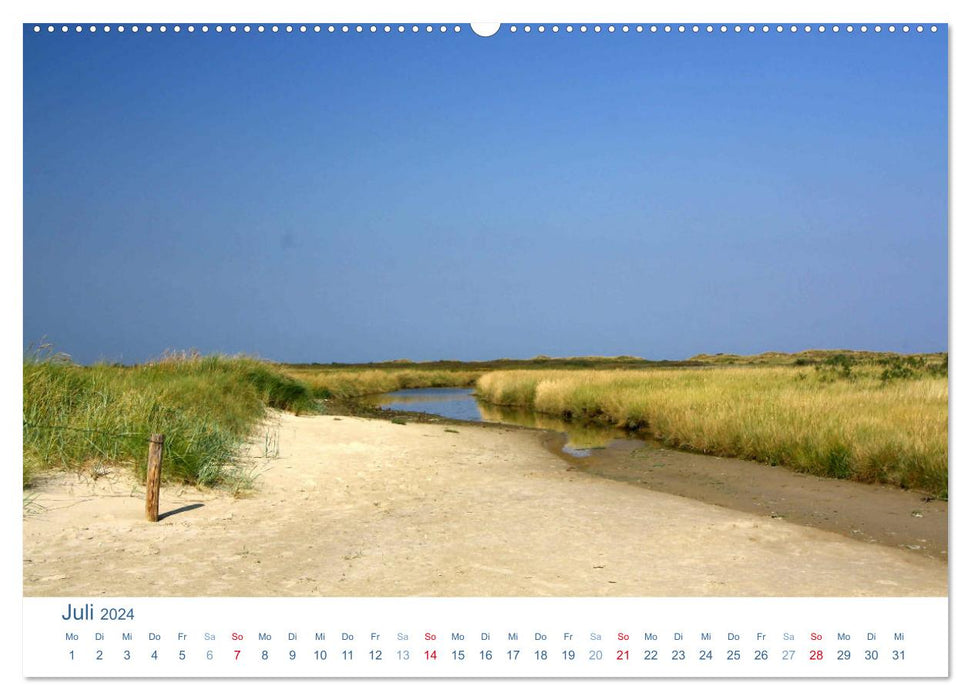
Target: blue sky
365	197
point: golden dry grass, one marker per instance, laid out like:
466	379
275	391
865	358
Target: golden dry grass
350	383
861	428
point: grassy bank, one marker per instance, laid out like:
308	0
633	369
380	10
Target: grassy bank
874	422
206	407
351	383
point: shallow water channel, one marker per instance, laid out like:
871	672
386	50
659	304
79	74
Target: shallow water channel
867	512
461	404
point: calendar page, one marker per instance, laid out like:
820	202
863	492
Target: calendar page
566	345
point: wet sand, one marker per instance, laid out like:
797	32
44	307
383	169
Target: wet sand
872	513
363	507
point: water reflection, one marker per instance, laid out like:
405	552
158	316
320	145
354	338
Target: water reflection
449	402
461	404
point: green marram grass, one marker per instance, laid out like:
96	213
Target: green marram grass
206	407
858	423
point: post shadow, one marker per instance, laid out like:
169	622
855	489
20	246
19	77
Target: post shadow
183	509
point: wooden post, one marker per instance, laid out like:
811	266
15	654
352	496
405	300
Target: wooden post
154	477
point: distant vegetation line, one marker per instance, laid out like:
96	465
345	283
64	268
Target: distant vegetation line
805	357
814	357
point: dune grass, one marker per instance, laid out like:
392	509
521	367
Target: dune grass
77	416
872	423
206	407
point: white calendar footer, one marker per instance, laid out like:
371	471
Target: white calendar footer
485	637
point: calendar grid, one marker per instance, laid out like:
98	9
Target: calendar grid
510	637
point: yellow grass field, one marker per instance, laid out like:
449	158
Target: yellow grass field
860	427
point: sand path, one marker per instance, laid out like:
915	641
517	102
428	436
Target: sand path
360	507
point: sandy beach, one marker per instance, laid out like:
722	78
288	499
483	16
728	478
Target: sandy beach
363	507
